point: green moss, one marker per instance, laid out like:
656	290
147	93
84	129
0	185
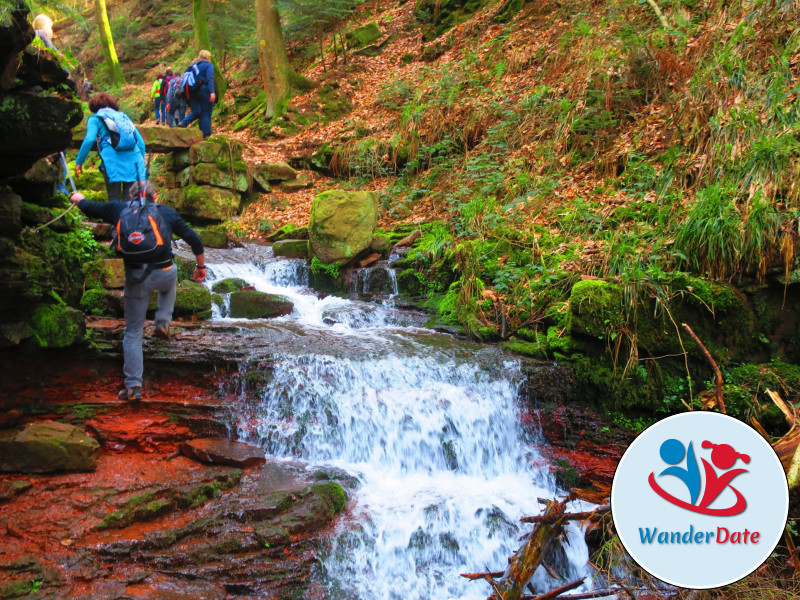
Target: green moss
333	494
597	308
532	349
231	284
58	326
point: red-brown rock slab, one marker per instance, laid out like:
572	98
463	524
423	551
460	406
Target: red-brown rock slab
221	451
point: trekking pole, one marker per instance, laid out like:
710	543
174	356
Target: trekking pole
72	184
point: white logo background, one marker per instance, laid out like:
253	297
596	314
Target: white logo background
636	506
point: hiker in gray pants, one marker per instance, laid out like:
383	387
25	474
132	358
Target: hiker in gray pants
141	280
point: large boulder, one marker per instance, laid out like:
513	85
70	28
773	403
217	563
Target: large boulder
291	248
107	273
249	304
234	178
191	300
168	139
203	203
342	225
47	447
216	149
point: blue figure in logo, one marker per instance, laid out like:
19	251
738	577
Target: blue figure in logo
672	452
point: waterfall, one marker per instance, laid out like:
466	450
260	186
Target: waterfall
428	425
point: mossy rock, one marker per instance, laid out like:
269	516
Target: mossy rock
231	284
291	248
363	36
103	303
48	447
192	299
443	15
107	273
211	174
212	238
216	149
596	308
206	203
288	231
280	171
58	326
342	224
258	305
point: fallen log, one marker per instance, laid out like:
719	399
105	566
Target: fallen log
522	565
408	240
579	516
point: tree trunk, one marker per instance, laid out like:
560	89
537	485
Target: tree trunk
276	71
202	41
107	43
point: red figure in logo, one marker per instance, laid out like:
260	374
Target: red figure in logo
724	457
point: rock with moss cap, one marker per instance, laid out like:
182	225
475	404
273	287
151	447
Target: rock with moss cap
47	447
342	225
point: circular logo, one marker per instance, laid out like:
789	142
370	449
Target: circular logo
699	500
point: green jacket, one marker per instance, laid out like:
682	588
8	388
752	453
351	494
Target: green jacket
156	91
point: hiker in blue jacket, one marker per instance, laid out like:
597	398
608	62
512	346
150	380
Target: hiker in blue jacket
141	280
202	100
120	168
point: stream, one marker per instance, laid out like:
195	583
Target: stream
427	426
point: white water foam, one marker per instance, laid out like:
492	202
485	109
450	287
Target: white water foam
430	428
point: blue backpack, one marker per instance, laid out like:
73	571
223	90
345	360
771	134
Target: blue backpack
121	130
190	81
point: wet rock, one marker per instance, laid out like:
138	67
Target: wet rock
223	452
315	508
192	299
48	447
258	305
231	284
342	225
288	231
291	248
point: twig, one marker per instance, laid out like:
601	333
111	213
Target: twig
579	516
558	591
475	576
717	374
583	596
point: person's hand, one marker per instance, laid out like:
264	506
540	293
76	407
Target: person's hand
76	197
78	170
199	274
213	97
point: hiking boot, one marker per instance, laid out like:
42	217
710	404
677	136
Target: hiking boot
162	329
133	394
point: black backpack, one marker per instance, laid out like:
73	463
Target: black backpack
141	233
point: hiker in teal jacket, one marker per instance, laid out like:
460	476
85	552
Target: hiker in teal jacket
120	168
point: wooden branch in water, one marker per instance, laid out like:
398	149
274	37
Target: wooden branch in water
474	576
579	516
556	592
522	565
717	374
582	596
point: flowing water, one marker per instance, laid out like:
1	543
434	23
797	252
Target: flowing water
428	425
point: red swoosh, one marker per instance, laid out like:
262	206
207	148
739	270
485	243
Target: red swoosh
739	507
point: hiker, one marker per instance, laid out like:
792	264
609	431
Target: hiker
176	102
201	94
43	27
156	98
166	119
120	165
141	279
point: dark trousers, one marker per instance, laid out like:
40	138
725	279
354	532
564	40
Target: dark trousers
201	109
